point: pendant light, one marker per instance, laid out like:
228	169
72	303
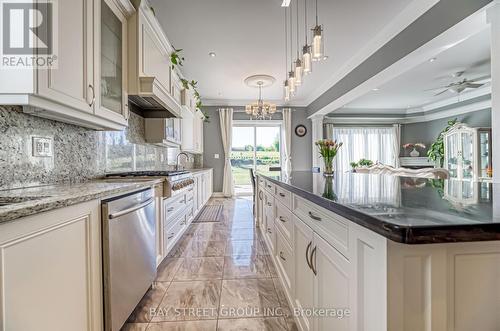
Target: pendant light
286	88
291	73
298	62
318	43
306	49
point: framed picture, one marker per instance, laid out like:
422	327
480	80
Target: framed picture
300	130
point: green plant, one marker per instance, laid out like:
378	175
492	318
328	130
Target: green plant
354	165
175	58
436	151
365	163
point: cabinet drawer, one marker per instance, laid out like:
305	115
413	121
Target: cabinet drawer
174	231
173	206
284	221
333	228
284	196
285	261
261	181
270	187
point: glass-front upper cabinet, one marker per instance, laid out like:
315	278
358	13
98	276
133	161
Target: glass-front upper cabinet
468	152
111	49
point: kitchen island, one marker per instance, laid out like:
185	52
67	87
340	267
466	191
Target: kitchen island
398	253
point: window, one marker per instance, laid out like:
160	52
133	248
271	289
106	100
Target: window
254	146
376	144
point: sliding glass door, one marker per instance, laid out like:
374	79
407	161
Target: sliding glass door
254	146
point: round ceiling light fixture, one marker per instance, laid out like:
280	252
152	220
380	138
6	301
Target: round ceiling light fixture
260	109
212	54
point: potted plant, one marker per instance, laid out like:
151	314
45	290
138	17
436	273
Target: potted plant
436	151
414	146
328	149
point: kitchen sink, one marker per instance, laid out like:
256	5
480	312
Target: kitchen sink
6	201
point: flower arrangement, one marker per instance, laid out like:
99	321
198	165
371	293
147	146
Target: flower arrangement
328	149
415	145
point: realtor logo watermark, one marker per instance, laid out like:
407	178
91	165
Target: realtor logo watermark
29	34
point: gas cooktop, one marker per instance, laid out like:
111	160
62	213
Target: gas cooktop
156	173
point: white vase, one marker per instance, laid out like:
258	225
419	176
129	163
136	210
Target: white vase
414	153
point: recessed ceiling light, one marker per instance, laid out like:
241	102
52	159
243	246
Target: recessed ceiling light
285	3
212	54
375	89
432	60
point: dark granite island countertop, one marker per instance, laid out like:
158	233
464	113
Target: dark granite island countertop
404	209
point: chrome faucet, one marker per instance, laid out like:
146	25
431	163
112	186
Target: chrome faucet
177	163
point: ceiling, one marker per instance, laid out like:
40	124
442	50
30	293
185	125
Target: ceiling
248	39
409	91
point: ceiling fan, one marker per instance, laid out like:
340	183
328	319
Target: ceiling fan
460	86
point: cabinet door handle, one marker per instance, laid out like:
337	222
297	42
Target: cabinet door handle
269	230
170	209
307	254
282	195
314	217
281	218
93	95
269	204
190	200
313	264
170	236
269	186
282	257
260	195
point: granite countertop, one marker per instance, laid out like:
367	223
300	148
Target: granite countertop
404	209
49	197
194	171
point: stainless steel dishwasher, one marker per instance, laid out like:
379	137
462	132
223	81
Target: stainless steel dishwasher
129	257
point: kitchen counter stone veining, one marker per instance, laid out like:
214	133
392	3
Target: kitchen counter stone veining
404	209
32	200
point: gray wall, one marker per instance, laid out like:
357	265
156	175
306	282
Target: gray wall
427	132
212	142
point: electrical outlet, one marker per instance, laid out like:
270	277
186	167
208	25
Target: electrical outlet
42	146
216	156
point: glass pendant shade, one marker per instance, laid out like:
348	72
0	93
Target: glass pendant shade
318	43
291	82
286	91
298	72
306	60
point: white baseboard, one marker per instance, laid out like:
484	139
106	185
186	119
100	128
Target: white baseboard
218	195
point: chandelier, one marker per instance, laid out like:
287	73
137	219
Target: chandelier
260	110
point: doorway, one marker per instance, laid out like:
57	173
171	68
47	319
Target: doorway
254	146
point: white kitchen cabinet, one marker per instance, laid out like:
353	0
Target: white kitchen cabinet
304	277
332	285
72	83
269	227
71	91
110	51
259	206
188	130
192	131
51	270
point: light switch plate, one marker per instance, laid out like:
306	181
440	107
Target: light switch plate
216	156
42	146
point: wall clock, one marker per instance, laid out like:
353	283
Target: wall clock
300	130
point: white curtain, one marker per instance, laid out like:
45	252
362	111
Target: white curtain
396	143
226	128
376	144
287	140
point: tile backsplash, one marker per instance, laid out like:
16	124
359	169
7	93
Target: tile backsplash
78	153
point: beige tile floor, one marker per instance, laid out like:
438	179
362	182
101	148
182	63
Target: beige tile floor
218	277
